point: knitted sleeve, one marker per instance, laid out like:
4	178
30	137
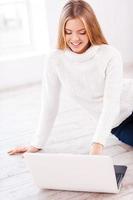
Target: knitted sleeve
111	99
49	103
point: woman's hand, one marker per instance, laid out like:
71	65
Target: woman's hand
96	149
18	150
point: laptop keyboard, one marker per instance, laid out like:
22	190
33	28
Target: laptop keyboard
119	176
119	172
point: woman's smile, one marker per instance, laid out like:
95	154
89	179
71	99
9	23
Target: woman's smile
76	45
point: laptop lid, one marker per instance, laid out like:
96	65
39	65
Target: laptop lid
72	172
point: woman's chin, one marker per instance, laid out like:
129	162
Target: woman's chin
78	50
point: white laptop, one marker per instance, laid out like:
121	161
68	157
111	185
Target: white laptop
75	172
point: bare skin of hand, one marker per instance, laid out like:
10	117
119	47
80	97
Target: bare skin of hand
96	149
18	150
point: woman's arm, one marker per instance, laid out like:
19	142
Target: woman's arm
49	103
111	99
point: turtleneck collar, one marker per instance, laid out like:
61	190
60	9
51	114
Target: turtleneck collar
89	53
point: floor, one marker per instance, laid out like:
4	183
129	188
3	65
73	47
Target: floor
19	112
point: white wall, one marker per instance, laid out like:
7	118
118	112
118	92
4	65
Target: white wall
39	23
114	16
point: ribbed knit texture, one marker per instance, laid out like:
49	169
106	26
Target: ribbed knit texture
93	79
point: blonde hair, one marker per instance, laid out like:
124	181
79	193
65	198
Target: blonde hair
82	10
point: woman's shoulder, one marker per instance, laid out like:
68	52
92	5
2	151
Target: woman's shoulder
55	54
110	50
52	59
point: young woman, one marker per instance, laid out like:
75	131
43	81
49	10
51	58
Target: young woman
89	69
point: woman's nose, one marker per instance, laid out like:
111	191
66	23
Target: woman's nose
75	37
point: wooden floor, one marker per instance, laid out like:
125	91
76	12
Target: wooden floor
19	112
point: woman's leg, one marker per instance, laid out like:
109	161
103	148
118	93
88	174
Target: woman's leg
124	132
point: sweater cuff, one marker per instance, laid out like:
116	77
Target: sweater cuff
36	144
100	140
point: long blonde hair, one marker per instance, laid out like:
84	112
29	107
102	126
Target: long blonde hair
82	10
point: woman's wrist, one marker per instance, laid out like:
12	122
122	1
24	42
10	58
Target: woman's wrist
96	149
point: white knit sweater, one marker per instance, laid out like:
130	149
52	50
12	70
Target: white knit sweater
93	79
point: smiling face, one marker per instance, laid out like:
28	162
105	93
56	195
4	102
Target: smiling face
75	35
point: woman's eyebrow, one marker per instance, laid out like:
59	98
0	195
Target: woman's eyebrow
77	30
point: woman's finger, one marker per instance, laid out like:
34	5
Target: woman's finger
12	152
17	150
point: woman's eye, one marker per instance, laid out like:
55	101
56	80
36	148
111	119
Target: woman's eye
67	32
82	33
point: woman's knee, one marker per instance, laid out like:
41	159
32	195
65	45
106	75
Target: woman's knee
125	134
